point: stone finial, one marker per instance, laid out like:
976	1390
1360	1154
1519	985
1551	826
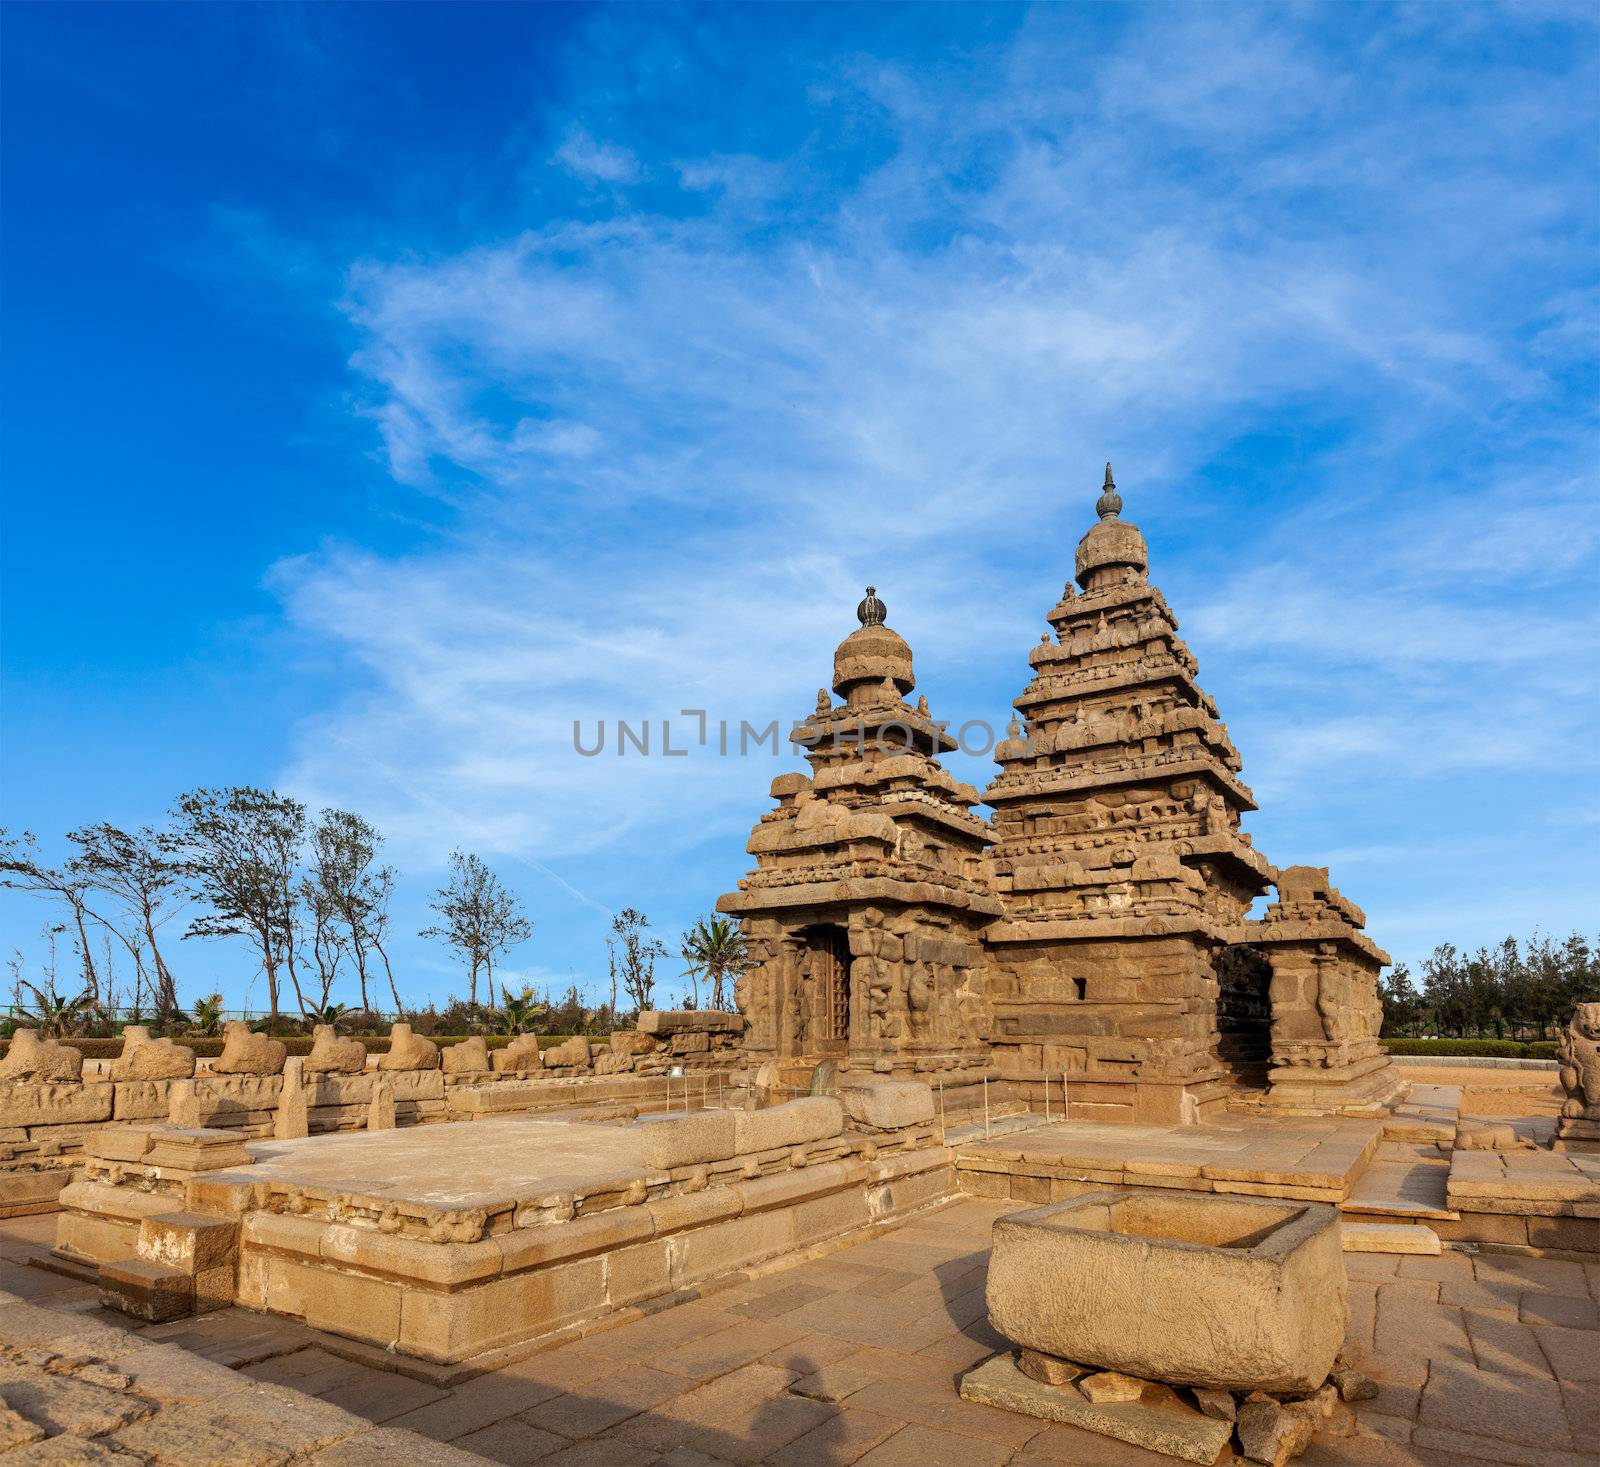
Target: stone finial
1109	504
871	611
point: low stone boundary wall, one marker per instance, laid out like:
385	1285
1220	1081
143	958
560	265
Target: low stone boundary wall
43	1121
1472	1062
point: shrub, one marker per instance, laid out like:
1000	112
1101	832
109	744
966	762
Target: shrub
1483	1048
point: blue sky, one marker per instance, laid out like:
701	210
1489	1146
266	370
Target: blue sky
388	386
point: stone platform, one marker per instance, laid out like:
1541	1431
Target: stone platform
452	1244
1309	1160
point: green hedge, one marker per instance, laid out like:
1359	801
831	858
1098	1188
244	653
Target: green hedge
103	1049
1479	1048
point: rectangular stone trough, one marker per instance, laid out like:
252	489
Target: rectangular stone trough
1229	1293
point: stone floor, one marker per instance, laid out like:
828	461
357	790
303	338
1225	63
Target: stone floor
853	1357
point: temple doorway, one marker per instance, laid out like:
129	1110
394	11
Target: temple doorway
828	962
1244	1015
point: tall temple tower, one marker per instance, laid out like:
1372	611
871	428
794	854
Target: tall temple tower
864	911
1118	857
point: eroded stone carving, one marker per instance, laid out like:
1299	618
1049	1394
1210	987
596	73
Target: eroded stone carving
333	1055
147	1058
1579	1056
247	1053
408	1051
31	1058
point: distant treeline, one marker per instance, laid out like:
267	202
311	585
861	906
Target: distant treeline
1517	990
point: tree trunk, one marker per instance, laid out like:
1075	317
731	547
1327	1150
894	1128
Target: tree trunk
399	1008
91	980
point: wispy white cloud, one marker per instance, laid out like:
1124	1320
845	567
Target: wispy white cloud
590	158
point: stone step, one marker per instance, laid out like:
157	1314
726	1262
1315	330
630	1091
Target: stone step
1429	1114
1410	1190
151	1291
1388	1238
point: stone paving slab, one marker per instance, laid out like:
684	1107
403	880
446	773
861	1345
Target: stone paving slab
508	1158
1315	1159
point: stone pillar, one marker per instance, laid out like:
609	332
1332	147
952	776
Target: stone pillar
292	1120
380	1114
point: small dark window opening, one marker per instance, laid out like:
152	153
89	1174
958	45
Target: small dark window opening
1080	987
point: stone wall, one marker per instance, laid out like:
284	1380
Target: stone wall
43	1121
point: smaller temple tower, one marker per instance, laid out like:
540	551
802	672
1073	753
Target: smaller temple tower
864	909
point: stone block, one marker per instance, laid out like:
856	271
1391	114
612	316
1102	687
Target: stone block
570	1053
196	1149
190	1241
1229	1293
53	1103
1104	1387
1159	1422
632	1042
146	1290
118	1143
1388	1238
1272	1433
141	1100
456	1326
890	1105
693	1041
816	1118
519	1057
692	1139
26	1192
600	1232
676	1021
637	1273
1048	1370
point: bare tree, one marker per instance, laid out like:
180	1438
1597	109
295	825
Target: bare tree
482	917
637	960
240	852
22	870
137	870
344	848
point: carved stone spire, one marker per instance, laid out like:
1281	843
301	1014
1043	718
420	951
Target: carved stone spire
1109	504
871	611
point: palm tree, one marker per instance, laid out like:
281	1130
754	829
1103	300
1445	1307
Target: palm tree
208	1014
332	1013
57	1017
518	1012
715	949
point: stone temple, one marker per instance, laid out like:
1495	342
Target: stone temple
1093	933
